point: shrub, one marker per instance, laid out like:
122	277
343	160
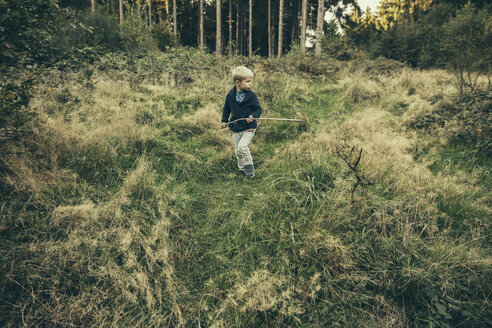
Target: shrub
467	44
89	30
465	119
380	65
469	119
26	29
16	116
334	45
137	38
103	30
163	34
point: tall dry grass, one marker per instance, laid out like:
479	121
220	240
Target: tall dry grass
125	209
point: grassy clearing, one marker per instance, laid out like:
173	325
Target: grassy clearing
126	209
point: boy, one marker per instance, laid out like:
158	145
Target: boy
241	102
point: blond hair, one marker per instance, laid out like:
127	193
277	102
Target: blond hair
241	73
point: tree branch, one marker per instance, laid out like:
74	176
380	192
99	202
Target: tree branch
352	164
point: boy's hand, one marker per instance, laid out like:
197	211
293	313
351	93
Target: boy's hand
223	125
250	119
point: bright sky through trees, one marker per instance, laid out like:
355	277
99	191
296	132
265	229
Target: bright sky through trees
363	4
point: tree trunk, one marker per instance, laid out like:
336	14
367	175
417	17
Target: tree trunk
269	29
250	36
237	29
245	37
218	40
93	5
175	20
230	28
150	13
303	25
319	26
274	28
295	30
280	27
241	36
146	13
121	12
296	26
201	43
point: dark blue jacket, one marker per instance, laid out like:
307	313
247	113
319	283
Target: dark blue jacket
233	110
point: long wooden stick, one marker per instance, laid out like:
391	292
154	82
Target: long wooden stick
266	119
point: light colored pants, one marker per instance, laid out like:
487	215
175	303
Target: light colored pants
241	142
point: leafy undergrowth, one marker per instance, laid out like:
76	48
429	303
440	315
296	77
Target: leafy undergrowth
126	209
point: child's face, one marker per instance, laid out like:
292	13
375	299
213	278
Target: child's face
244	85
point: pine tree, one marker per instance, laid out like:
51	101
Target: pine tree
269	29
303	25
230	28
218	39
250	36
175	20
280	27
201	31
150	13
319	25
121	12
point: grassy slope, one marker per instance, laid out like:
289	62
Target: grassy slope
128	211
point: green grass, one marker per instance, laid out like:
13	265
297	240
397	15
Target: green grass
149	224
462	156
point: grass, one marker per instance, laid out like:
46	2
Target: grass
126	208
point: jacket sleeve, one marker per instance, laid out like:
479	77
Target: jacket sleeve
256	108
226	111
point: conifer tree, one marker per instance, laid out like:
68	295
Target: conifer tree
270	29
280	27
250	35
230	28
175	20
121	11
319	25
218	39
201	31
150	12
237	29
303	25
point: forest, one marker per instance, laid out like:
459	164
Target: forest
120	202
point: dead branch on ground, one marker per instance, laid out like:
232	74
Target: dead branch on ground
349	155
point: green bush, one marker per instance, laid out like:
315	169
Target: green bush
27	27
448	34
16	116
88	33
466	119
467	45
101	31
334	45
163	33
470	119
380	65
137	38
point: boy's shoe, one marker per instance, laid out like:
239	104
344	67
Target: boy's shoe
241	172
249	171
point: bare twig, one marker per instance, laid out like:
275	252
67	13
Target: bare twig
352	164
